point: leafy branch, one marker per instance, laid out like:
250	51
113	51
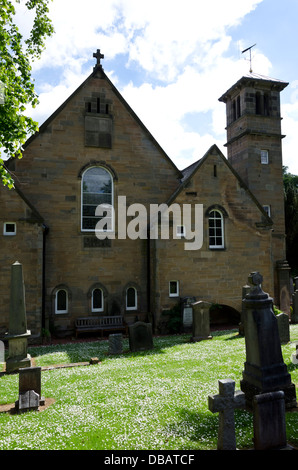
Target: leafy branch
16	55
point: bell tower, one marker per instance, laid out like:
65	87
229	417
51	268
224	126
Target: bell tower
254	149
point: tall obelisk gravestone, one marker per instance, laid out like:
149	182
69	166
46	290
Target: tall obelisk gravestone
18	334
265	370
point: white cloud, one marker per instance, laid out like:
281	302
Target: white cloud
181	46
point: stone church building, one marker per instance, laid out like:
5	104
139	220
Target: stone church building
94	150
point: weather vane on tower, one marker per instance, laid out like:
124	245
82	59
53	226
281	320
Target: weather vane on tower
249	49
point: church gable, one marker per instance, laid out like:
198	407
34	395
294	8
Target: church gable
212	181
95	126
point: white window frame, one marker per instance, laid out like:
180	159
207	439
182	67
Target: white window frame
82	200
264	157
58	312
8	233
176	292
135	306
267	209
180	231
94	309
218	231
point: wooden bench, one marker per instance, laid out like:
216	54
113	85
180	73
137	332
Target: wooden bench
93	324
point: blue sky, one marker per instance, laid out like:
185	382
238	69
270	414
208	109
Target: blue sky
171	61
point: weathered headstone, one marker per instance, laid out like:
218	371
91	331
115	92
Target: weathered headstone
283	275
283	327
2	352
18	334
187	313
269	421
224	404
140	336
201	321
115	343
187	316
29	389
28	401
264	369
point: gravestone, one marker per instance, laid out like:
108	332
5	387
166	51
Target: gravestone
18	334
29	389
187	317
187	313
283	327
201	321
224	404
269	421
264	369
28	401
140	336
2	352
283	274
115	343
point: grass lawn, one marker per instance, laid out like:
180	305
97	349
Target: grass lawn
153	400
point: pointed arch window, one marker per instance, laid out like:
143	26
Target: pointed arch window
216	229
97	189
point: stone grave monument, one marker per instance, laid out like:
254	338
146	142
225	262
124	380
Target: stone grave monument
224	404
283	327
115	343
140	336
264	369
269	421
187	313
18	334
201	321
29	389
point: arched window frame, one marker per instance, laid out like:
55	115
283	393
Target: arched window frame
216	229
93	308
59	311
100	200
135	304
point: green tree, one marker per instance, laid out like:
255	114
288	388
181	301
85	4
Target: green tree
17	88
291	217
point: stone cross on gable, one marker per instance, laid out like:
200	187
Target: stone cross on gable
224	404
98	56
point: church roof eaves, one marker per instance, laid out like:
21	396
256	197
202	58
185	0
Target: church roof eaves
278	84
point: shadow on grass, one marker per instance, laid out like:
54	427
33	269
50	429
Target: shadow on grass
83	351
202	428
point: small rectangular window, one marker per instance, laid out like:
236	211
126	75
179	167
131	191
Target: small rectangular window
9	228
180	231
264	157
173	288
267	209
